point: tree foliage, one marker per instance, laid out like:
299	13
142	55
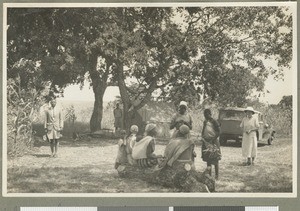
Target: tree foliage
215	52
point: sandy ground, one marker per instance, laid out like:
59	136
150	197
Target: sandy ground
86	161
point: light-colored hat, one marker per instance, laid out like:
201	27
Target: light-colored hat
249	109
134	128
184	129
183	103
150	127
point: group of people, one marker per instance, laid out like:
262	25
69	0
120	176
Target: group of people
181	148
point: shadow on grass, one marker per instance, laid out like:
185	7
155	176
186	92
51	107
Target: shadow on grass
255	178
41	155
88	142
89	179
239	144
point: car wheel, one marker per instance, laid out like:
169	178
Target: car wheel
270	140
223	141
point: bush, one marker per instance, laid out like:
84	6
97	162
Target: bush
280	119
25	94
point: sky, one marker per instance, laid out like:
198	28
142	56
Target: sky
277	90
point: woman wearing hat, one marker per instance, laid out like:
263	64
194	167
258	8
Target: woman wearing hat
249	125
181	118
143	150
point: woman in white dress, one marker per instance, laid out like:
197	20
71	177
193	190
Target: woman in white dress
250	126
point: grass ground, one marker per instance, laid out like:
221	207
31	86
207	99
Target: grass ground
87	167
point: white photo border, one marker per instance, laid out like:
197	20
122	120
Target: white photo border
293	194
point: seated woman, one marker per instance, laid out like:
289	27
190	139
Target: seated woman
143	151
180	150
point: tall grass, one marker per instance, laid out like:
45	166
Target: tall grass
279	119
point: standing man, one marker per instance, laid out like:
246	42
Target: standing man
118	114
54	123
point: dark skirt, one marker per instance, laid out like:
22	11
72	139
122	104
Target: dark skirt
211	152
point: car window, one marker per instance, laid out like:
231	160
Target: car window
231	115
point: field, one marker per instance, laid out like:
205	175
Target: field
87	166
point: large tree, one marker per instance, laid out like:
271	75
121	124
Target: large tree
221	50
65	44
236	47
215	48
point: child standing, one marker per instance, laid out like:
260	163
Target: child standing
125	148
129	142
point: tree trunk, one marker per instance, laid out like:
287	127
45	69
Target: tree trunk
95	122
130	106
99	86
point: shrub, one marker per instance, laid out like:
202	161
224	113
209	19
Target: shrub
25	94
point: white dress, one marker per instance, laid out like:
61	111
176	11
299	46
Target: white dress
249	141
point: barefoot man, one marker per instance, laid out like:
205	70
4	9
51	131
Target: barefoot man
53	126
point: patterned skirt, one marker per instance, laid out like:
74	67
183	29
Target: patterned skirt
147	162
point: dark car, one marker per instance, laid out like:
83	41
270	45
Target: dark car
230	120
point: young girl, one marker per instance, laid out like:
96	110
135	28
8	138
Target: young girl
125	148
129	142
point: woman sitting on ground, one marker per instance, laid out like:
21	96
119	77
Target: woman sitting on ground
180	150
143	151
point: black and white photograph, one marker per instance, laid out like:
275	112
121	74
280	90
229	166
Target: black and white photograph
150	100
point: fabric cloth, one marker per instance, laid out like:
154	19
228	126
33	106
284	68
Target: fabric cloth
147	162
176	147
150	127
249	141
129	142
183	103
139	150
121	155
211	151
178	120
118	114
211	129
184	129
209	132
54	122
